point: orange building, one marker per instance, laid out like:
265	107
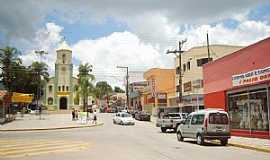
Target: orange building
161	85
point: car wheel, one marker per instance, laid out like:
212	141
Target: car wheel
224	142
163	129
121	123
179	136
200	140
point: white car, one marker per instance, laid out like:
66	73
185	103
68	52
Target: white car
123	119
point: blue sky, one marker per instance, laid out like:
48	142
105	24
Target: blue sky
73	32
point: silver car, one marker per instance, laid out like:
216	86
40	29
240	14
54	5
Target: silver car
205	124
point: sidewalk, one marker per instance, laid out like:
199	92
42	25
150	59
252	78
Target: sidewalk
31	122
251	143
257	144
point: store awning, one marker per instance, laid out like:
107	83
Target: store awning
21	98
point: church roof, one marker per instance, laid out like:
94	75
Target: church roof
63	46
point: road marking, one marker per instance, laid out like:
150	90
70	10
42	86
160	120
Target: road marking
30	147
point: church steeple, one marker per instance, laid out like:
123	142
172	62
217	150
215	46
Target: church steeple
64	53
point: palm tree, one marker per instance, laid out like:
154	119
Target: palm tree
85	86
39	70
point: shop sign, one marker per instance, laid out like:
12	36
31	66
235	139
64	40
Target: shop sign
161	96
153	87
139	86
187	86
251	77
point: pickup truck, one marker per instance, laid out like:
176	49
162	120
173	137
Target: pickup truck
170	121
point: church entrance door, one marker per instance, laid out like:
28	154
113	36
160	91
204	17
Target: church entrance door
63	103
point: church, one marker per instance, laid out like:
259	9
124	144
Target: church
60	89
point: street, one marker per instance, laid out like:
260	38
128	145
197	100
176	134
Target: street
143	141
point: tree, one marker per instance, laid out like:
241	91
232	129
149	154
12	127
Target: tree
38	70
9	60
85	86
102	89
118	90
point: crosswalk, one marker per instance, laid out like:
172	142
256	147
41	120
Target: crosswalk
10	148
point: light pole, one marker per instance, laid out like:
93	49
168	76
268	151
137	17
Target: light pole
180	43
126	84
40	53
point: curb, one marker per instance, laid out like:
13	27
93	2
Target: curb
48	129
261	149
245	146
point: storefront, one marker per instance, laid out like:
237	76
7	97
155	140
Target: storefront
192	103
240	84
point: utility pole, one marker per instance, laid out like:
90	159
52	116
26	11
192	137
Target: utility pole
127	94
208	51
40	53
179	51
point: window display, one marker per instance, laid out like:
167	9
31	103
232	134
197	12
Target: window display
249	110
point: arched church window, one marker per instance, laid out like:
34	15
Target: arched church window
67	88
50	88
50	101
64	58
63	88
59	88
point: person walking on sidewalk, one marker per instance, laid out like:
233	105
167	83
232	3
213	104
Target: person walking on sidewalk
95	117
73	114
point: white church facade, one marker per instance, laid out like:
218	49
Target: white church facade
60	89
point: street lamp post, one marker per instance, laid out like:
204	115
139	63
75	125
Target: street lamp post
180	43
40	53
126	84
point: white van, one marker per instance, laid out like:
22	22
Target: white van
205	124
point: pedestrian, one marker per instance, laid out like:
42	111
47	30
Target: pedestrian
95	117
73	114
76	114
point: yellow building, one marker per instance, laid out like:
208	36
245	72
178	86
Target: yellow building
161	86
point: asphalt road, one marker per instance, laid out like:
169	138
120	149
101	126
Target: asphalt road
114	142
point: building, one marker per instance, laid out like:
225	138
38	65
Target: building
161	84
136	90
240	84
59	90
192	74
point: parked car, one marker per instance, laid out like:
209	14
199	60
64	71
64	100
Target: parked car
142	116
170	121
205	125
123	118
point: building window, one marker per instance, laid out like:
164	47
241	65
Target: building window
184	67
50	101
59	88
50	88
67	88
63	88
202	61
178	70
188	65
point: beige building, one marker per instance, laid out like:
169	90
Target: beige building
60	89
192	76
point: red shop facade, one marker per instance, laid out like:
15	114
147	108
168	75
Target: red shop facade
240	84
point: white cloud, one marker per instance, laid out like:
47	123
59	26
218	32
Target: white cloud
46	39
118	49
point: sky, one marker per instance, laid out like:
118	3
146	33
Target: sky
110	33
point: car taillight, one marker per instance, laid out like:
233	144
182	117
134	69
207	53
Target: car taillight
205	124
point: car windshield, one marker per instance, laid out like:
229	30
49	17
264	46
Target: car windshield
174	115
218	118
125	115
